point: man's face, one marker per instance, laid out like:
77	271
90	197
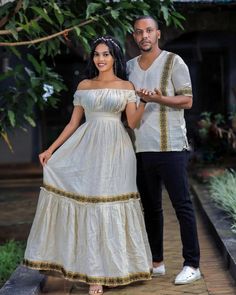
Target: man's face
146	34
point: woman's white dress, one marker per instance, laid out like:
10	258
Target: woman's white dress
89	224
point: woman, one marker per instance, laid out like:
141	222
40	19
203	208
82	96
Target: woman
89	224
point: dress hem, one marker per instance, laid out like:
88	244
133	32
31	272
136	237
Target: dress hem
75	276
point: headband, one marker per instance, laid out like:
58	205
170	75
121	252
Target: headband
105	40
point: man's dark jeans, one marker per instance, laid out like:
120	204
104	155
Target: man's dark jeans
153	168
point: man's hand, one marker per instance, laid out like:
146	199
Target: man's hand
158	93
149	96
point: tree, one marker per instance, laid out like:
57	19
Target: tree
48	27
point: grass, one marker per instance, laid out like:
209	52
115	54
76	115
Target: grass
223	192
11	254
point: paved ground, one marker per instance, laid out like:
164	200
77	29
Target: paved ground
17	205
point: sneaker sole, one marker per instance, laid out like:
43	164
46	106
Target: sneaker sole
158	274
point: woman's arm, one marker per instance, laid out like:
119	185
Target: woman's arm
134	113
66	133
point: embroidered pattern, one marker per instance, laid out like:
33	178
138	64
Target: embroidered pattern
163	113
107	281
184	91
93	199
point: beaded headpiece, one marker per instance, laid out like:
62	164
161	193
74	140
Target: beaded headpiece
105	40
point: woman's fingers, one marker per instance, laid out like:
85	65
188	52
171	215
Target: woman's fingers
44	157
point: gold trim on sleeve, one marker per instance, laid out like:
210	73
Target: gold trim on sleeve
185	91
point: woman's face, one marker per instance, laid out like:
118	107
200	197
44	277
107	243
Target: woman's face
102	58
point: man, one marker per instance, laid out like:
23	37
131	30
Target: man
162	80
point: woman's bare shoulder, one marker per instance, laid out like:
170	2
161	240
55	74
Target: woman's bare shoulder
127	85
84	84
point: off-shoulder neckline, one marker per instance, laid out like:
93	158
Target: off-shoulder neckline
105	89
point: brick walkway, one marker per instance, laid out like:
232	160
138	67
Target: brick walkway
216	279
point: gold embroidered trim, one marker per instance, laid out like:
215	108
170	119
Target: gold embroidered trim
94	199
163	113
184	91
107	281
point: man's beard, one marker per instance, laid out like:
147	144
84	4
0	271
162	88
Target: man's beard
144	49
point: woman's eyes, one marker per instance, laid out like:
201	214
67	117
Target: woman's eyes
104	54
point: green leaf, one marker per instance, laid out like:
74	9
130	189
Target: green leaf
35	26
42	49
42	13
165	12
78	31
68	13
32	94
85	43
58	14
127	5
177	23
92	8
21	16
34	63
4	135
178	15
24	27
43	68
91	30
11	117
25	4
52	48
35	82
115	14
12	27
56	86
30	120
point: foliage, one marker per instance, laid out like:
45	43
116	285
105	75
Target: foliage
53	27
11	254
30	89
223	192
217	137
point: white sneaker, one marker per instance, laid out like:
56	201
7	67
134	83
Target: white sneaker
159	271
188	275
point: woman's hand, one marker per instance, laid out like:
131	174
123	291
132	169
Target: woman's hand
44	157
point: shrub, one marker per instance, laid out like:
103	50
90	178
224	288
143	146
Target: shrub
223	192
217	136
11	254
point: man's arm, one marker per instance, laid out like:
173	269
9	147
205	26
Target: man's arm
177	101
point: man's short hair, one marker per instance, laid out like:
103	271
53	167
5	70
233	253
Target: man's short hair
146	17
